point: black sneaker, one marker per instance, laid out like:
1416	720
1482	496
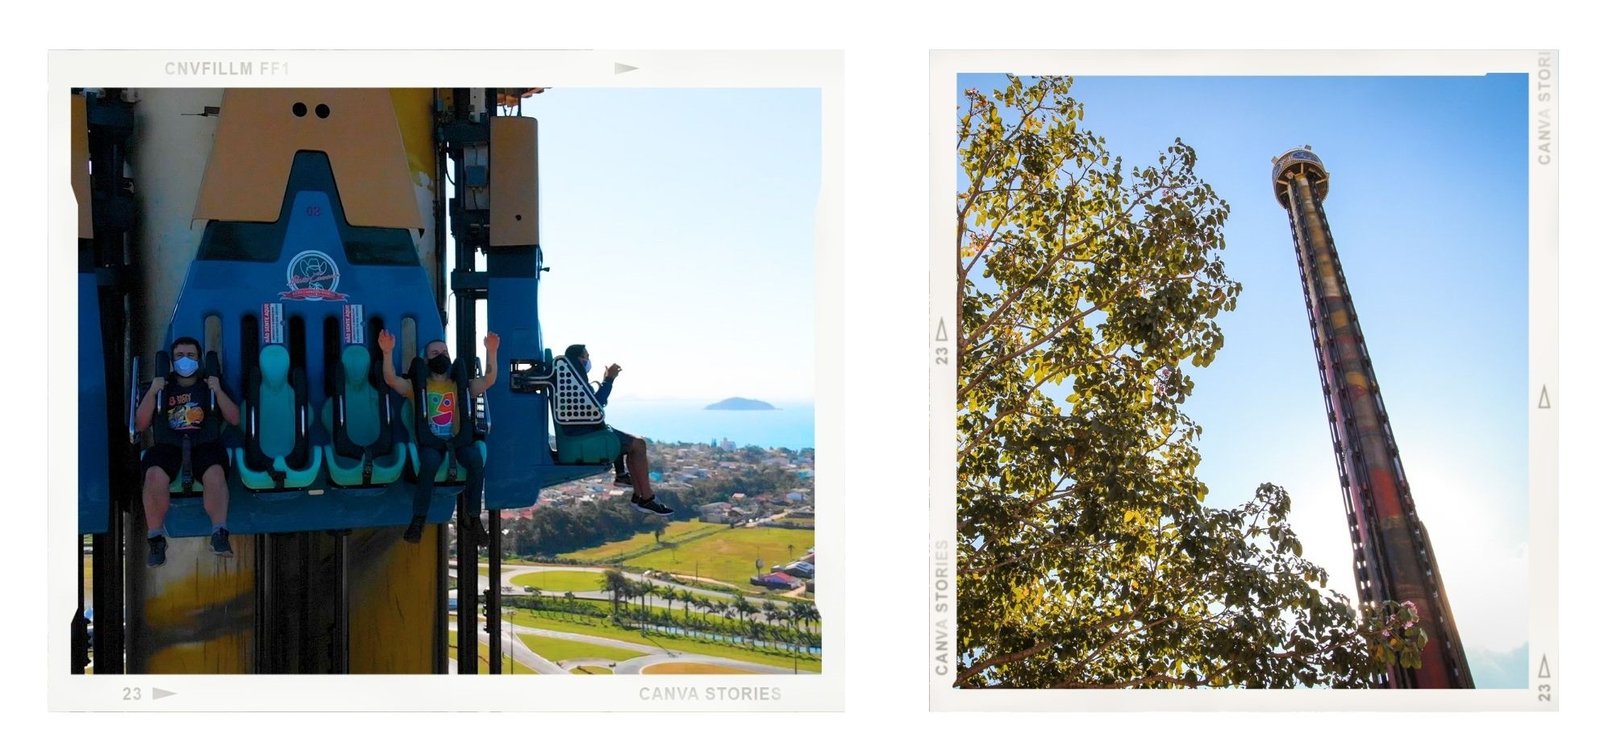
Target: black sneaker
623	479
219	544
650	505
414	530
158	552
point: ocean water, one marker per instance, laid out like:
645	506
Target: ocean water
792	426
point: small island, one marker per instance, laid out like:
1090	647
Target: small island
740	403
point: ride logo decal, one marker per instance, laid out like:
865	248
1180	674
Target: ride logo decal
312	275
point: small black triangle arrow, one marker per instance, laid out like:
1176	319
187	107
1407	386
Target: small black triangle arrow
1544	667
940	336
1544	398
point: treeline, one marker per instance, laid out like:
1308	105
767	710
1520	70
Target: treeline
552	530
556	530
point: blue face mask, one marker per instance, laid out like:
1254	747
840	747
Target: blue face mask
586	365
186	366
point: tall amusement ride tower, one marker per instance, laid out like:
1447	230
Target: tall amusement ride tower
1393	559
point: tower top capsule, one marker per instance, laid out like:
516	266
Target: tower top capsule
1295	161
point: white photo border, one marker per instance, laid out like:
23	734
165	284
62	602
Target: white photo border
819	70
1542	68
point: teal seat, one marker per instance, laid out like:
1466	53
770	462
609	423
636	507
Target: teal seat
359	420
582	436
276	454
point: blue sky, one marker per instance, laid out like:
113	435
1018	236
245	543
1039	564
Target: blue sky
678	228
1428	208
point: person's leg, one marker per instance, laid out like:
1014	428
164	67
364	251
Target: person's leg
470	459
160	465
209	461
157	498
639	466
624	440
429	460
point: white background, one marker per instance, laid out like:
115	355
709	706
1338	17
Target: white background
885	298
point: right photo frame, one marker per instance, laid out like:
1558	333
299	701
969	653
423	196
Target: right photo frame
1242	377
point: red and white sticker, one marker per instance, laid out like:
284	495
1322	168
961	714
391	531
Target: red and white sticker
272	323
355	325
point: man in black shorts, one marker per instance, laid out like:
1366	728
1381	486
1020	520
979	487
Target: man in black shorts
185	406
637	470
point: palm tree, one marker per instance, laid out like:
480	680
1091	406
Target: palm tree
689	600
647	589
769	611
714	606
669	594
789	616
743	607
617	585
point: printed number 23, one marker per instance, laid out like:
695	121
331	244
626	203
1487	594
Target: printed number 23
1544	693
130	693
941	356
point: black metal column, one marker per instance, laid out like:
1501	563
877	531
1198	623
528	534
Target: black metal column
340	644
492	613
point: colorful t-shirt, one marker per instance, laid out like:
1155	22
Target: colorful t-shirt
442	408
184	410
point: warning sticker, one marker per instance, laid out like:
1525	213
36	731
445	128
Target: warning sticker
355	324
272	323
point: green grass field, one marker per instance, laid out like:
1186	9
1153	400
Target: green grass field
581	670
556	583
603	628
730	554
676	532
556	649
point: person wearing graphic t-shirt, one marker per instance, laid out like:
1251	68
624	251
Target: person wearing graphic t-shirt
444	419
184	404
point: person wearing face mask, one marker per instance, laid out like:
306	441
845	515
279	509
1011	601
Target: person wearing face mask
186	412
445	419
636	472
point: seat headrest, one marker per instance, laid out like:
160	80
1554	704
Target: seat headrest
274	365
356	360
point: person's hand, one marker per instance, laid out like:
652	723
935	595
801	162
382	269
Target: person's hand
215	383
612	371
385	341
491	342
156	385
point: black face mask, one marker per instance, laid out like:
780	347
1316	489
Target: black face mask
439	364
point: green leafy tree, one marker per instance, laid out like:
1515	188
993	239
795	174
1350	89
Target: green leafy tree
1086	555
617	584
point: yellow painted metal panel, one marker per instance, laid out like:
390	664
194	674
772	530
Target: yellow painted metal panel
513	181
392	601
261	129
80	167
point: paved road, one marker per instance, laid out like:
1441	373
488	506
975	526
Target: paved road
529	661
636	665
653	654
507	571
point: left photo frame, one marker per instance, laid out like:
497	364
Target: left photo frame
398	383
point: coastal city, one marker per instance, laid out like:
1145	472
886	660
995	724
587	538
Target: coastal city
726	585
